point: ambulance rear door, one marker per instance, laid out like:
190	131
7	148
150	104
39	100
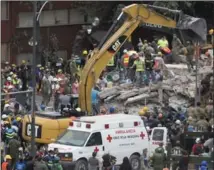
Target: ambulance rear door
158	135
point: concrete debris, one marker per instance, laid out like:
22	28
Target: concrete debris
178	91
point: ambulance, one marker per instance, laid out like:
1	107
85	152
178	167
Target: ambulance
119	135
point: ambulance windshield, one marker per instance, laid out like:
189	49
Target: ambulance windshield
73	137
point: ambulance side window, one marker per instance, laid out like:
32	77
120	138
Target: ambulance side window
95	139
158	135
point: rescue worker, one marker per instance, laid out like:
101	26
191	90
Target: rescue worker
197	148
93	162
95	101
23	70
61	77
163	42
111	64
14	145
158	160
177	150
40	77
56	164
14	68
202	124
149	64
84	58
176	45
40	164
125	63
7	67
139	64
20	165
6	165
159	62
150	49
167	54
46	90
189	56
9	133
16	82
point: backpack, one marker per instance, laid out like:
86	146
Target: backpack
198	150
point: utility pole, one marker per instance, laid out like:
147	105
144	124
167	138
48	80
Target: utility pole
33	152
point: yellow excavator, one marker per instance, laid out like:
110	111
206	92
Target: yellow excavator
135	15
51	125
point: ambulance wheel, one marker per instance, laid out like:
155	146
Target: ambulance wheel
81	165
135	162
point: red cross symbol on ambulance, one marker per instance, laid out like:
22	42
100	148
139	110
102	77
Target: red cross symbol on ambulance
96	149
142	135
109	138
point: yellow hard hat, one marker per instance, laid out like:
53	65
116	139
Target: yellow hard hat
23	61
18	118
41	68
141	112
13	65
14	76
60	70
159	53
211	32
85	52
7	157
6	122
39	65
145	108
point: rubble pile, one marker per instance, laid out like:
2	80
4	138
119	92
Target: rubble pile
178	91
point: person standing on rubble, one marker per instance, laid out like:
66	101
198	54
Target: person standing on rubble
149	64
139	65
163	42
176	44
125	63
189	56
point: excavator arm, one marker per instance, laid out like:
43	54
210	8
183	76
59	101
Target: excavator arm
136	15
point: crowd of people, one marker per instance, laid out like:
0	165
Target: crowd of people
142	66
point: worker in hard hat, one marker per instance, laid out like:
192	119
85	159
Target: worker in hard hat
13	68
25	74
16	82
83	58
7	164
159	62
61	77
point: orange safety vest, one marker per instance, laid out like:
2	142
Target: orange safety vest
4	165
166	50
126	60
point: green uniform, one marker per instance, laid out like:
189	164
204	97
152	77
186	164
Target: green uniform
158	160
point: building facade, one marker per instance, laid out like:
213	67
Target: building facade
59	19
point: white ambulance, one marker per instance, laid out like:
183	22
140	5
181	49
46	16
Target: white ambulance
119	135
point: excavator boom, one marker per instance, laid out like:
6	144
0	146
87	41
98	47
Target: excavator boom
136	15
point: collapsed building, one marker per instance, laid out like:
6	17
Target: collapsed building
178	89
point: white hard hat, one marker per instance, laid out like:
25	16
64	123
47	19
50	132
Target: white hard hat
7	105
197	140
78	109
9	79
11	73
178	122
125	51
148	128
4	116
55	79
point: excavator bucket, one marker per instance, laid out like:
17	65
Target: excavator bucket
192	28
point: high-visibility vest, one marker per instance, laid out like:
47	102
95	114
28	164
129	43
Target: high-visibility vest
139	65
4	165
111	62
166	50
126	60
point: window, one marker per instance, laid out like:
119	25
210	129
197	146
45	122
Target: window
95	139
4	10
5	52
158	135
73	137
